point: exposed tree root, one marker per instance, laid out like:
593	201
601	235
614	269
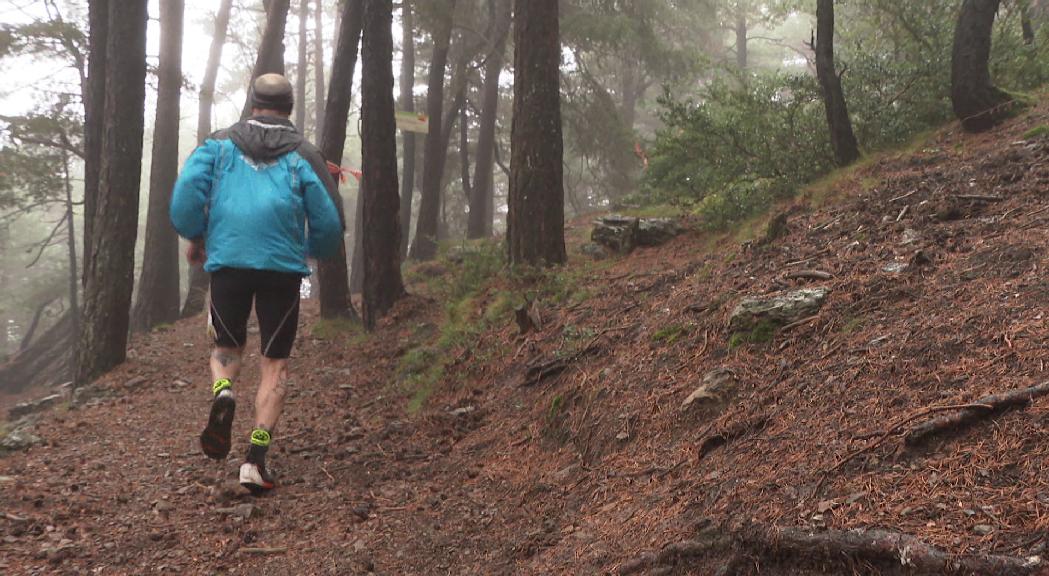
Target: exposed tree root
998	403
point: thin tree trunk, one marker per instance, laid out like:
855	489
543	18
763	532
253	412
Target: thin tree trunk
333	277
357	259
1026	24
94	106
408	138
158	293
479	221
535	223
302	68
424	246
842	138
271	48
977	102
318	69
742	48
110	271
383	285
464	153
27	339
74	275
198	278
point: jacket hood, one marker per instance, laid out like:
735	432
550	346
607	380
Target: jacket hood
265	138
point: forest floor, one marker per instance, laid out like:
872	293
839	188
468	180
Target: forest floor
936	299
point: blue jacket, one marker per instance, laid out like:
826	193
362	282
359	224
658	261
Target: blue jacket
261	197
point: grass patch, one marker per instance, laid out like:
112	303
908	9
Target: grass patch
655	211
330	329
670	334
761	333
1036	132
852	325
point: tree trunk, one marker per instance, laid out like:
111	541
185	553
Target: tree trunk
271	48
333	277
198	278
408	138
482	202
94	106
535	222
424	246
158	291
742	48
1026	25
382	263
977	102
357	259
842	138
318	69
109	273
46	362
302	68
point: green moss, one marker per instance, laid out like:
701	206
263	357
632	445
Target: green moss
670	334
655	211
851	325
1036	132
761	333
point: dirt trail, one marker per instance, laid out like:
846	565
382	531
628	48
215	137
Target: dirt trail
936	299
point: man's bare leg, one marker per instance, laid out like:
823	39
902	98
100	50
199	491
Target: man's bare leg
269	401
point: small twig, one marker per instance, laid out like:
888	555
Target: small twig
1036	212
328	474
274	550
903	212
801	322
907	195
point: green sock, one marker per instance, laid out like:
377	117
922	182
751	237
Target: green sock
260	444
220	385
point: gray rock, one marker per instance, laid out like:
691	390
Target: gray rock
622	233
657	231
34	406
21	437
593	250
983	529
617	233
717	385
778	310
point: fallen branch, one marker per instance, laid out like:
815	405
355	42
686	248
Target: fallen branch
801	322
979	198
672	554
899	426
891	552
808	275
997	403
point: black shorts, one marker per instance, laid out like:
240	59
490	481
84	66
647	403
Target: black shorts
276	297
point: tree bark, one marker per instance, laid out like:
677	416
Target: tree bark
464	154
158	292
424	247
94	106
318	69
535	222
1026	24
977	102
482	201
271	48
357	259
842	138
333	277
74	276
408	138
302	69
109	273
383	285
198	278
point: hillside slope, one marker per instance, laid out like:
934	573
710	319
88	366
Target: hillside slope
597	464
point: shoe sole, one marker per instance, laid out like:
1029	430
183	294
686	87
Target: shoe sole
215	439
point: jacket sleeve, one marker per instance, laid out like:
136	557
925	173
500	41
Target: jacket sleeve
322	215
189	199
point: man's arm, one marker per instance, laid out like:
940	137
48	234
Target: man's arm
189	199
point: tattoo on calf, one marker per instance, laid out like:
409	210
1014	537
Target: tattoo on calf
225	358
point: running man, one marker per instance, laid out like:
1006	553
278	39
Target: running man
255	201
